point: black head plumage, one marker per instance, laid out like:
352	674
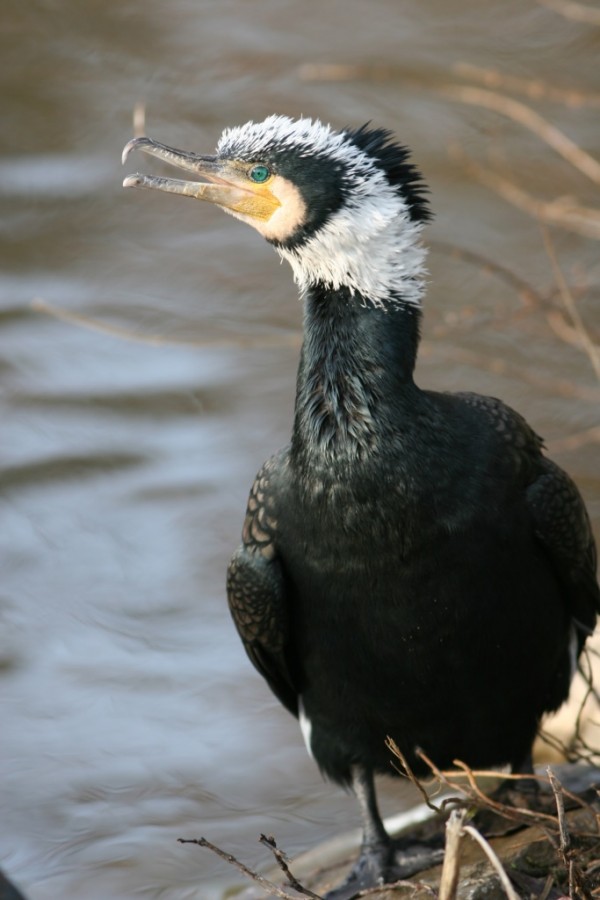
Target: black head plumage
393	158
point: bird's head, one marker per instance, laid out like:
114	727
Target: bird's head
345	208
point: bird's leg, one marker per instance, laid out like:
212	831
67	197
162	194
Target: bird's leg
524	792
375	864
382	860
527	789
363	785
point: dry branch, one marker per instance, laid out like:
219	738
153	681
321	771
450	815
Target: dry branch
588	345
408	773
533	88
578	880
281	860
529	295
414	886
562	211
347	72
451	864
579	749
575	441
528	118
91	324
285	339
268	886
561	328
487	849
561	387
139	119
471	794
565	840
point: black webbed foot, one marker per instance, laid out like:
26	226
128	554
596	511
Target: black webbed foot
523	791
374	867
385	863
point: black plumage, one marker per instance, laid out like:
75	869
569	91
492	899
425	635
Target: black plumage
412	564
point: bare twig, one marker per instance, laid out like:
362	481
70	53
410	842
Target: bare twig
533	88
439	774
455	829
561	328
561	387
561	212
472	793
516	814
414	886
589	692
547	888
551	740
344	72
91	324
287	339
451	864
272	889
530	119
282	863
580	744
565	840
578	882
408	772
529	295
579	749
588	674
575	441
139	119
473	833
592	351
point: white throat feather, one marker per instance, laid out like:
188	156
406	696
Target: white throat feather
371	247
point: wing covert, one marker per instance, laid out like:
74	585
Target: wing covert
256	592
560	520
563	527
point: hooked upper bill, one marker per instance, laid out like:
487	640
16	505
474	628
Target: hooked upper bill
227	182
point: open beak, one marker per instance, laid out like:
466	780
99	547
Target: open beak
226	183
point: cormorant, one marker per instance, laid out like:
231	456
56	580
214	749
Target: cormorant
412	564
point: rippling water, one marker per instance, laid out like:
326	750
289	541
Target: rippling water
130	714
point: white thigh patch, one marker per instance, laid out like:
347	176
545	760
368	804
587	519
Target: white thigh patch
305	727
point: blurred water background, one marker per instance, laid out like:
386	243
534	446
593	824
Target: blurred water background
130	435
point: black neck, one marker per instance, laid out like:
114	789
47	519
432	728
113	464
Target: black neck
357	362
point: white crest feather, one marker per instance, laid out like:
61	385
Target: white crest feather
306	135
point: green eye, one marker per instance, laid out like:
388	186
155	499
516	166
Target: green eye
259	174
